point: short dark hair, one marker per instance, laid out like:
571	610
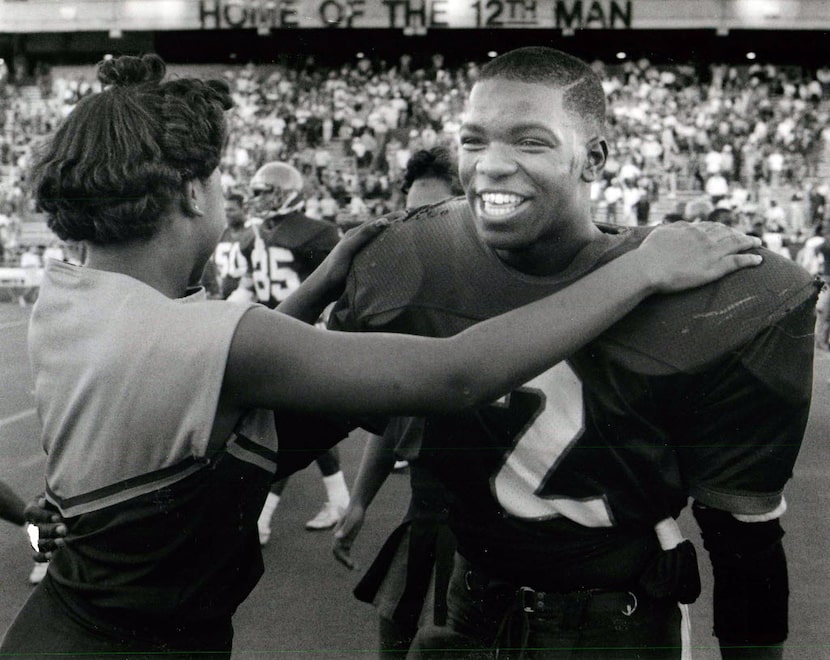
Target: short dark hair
584	96
435	163
122	155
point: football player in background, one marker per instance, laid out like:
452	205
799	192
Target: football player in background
282	249
229	264
564	494
399	581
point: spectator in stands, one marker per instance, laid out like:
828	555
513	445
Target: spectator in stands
697	210
54	251
774	164
5	222
775	216
722	215
811	258
739	112
716	187
329	207
823	305
642	207
613	196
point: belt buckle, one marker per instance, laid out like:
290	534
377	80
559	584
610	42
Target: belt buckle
528	600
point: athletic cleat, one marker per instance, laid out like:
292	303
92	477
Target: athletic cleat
328	517
38	572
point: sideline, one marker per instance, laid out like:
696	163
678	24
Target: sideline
12	419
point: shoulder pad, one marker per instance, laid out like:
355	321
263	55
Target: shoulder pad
685	331
393	269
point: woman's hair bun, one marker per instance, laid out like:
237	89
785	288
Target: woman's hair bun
130	70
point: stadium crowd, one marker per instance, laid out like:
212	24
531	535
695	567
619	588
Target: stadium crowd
747	139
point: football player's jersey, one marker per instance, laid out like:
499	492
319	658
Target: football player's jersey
229	262
284	251
703	393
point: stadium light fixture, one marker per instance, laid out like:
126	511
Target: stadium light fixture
491	54
360	56
750	55
621	55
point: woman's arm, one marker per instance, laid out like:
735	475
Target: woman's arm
277	362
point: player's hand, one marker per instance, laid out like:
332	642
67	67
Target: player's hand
682	255
45	527
345	533
336	265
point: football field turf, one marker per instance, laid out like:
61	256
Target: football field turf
303	607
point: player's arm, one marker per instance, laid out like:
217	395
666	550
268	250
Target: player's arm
11	506
276	362
375	466
751	588
737	467
327	281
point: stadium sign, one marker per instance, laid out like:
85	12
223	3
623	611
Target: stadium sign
413	16
562	14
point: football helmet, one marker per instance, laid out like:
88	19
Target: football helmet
276	189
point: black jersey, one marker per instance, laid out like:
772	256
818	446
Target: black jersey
283	251
703	393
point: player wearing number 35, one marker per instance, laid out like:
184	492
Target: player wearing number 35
564	493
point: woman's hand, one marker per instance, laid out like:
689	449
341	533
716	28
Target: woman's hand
335	267
327	283
682	256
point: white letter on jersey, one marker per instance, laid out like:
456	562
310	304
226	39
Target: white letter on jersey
539	449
